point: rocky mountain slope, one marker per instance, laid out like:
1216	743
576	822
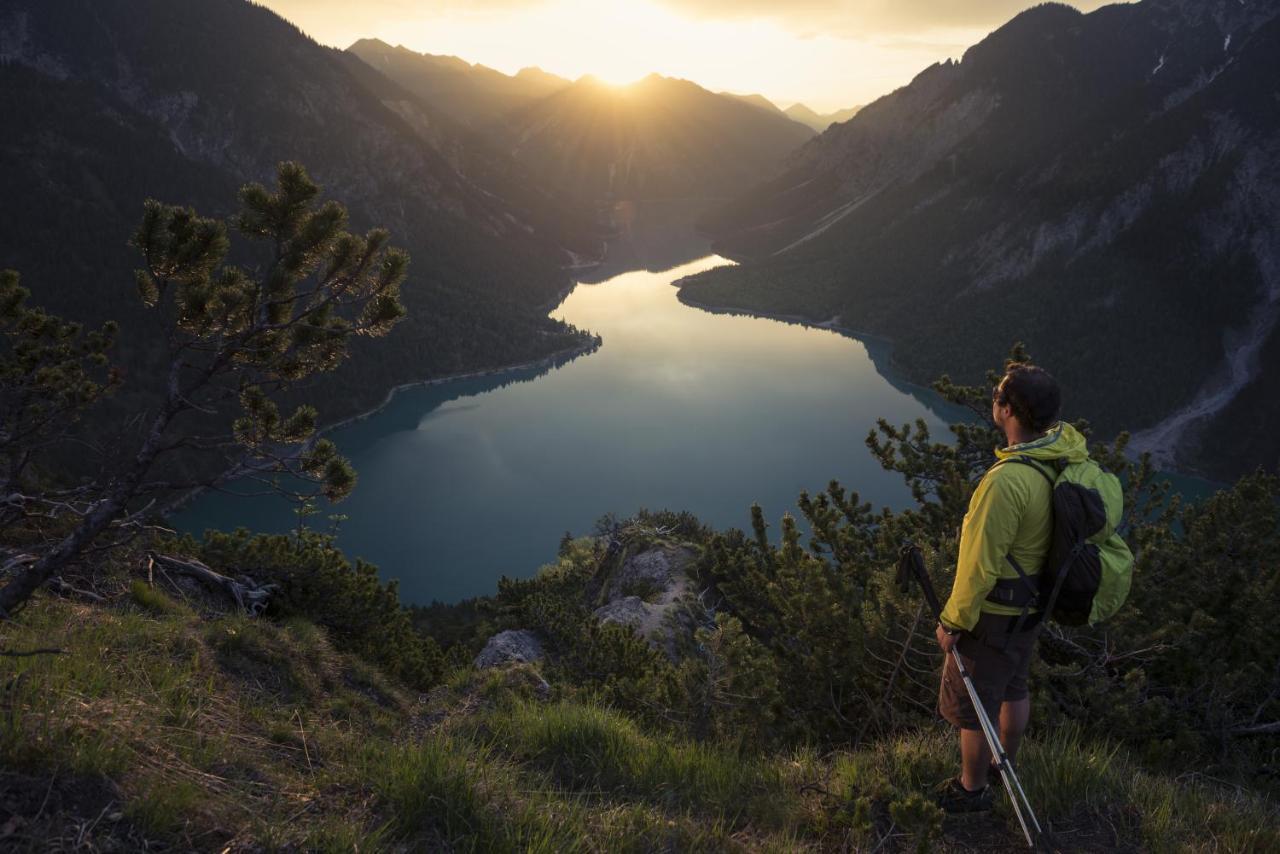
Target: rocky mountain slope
127	100
1102	186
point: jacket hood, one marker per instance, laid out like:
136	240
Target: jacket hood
1061	442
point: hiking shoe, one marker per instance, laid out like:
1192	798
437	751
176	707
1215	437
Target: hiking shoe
954	797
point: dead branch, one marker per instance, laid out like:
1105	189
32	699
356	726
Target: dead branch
13	561
249	596
65	589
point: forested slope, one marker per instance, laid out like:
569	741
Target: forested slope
1102	186
121	101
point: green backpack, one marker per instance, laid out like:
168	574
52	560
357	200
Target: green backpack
1086	576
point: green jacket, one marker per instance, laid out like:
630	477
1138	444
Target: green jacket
1011	512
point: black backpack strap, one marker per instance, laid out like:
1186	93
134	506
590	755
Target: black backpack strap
1020	592
1027	461
1017	592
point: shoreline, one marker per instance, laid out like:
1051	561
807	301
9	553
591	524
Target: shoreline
593	343
867	338
832	324
569	352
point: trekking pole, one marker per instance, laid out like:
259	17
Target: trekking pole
912	563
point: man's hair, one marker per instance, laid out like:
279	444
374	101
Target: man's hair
1032	394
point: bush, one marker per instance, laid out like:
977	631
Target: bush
362	615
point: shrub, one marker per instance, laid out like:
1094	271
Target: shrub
360	613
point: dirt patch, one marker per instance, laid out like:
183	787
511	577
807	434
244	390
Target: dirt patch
66	812
1085	832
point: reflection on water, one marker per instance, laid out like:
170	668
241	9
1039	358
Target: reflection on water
463	482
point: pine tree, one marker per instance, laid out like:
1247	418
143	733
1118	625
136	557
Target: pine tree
234	338
51	373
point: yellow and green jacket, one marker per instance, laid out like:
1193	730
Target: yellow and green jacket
1010	513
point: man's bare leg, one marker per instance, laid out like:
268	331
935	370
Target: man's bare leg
1014	715
975	759
975	755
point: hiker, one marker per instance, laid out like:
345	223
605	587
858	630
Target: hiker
990	618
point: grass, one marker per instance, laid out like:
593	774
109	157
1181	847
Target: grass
592	749
195	733
153	600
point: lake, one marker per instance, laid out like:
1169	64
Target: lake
468	480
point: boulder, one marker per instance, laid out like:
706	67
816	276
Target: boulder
649	593
513	645
627	611
655	571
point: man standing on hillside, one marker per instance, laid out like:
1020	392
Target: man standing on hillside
1006	535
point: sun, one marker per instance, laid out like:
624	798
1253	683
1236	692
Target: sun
618	80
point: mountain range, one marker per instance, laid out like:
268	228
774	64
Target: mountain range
1102	186
469	93
819	121
590	142
798	112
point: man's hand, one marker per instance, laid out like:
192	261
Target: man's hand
946	641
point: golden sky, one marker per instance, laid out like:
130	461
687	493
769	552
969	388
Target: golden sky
828	54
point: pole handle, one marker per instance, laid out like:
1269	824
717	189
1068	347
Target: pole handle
911	566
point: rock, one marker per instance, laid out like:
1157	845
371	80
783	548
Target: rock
627	611
513	645
654	571
648	593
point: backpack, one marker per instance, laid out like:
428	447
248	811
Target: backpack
1086	576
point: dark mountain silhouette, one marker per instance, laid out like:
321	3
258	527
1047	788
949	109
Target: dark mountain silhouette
591	142
1105	187
471	94
475	155
127	99
656	138
819	121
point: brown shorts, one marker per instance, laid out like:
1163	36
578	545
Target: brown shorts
999	671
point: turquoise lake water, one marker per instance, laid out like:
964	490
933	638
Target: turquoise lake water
466	481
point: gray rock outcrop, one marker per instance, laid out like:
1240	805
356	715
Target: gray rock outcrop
655	572
513	645
649	593
627	611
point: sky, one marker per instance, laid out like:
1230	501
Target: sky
828	54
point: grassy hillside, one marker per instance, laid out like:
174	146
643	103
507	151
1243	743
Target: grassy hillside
158	726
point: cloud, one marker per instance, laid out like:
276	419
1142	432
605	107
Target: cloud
868	18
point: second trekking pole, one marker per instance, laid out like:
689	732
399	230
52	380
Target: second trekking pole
911	563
